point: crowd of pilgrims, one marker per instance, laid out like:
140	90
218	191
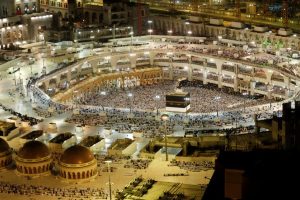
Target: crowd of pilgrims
144	121
149	126
59	192
32	121
194	166
41	98
144	97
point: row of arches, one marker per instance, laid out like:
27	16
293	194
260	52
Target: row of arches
33	170
5	162
78	175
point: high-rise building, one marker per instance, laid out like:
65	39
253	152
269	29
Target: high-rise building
6	8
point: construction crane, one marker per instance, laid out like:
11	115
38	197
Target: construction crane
238	9
284	13
195	4
172	6
139	17
266	6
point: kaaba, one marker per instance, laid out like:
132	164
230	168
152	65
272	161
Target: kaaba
178	101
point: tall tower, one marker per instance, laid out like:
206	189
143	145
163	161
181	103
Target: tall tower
284	13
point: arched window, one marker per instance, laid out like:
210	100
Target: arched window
87	16
94	18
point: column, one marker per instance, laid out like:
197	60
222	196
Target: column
151	57
94	65
171	69
252	87
268	75
205	72
220	79
46	83
133	61
269	94
185	148
235	83
113	62
205	76
219	71
57	80
287	82
69	75
78	70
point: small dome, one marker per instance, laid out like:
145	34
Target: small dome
34	150
4	147
77	154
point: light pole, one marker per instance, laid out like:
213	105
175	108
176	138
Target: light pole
20	83
245	94
130	96
75	98
109	182
150	31
217	99
150	24
170	32
270	96
165	118
157	98
44	69
186	23
190	33
14	71
31	61
150	27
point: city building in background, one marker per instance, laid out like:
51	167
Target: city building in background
7	8
26	6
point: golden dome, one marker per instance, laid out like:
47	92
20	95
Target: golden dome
34	150
4	147
77	154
